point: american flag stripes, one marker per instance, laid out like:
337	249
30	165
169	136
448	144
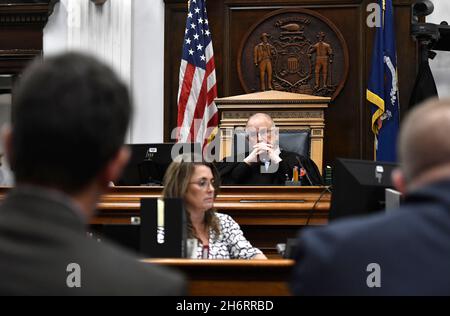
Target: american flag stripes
197	112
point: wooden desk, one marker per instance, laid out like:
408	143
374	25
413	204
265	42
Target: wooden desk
253	206
267	215
247	205
233	277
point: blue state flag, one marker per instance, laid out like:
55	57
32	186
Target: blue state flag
382	89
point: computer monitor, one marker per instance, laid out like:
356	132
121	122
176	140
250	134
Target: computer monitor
131	175
163	232
359	187
143	234
149	162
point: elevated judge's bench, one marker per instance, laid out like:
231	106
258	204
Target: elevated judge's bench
291	113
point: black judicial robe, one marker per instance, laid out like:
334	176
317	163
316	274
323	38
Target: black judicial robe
239	173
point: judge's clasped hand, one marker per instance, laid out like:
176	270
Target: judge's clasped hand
263	150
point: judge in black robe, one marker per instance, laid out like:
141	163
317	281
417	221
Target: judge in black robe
266	163
241	173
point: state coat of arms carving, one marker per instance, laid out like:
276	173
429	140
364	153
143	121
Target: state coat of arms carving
294	50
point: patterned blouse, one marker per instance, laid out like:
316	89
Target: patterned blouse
230	244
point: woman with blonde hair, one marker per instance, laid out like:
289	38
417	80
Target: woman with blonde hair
217	235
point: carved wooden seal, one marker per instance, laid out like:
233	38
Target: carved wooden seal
294	50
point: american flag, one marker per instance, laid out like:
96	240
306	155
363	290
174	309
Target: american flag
197	113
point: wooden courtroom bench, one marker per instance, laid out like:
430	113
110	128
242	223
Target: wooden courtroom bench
233	277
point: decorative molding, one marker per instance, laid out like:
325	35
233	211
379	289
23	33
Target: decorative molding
278	114
21	18
26	13
297	115
15	53
21	27
272	97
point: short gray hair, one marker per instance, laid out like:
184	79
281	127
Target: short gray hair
265	115
424	141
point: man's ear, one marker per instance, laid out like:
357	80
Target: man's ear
115	166
399	180
7	141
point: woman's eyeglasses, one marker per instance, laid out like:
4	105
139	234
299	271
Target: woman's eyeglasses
204	183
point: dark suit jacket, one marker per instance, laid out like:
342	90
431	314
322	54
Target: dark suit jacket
41	235
239	173
410	245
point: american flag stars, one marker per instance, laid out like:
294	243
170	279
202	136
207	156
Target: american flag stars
197	35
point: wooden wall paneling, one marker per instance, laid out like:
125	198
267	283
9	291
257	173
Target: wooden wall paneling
344	135
348	131
343	118
175	22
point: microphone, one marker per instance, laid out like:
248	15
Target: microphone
306	172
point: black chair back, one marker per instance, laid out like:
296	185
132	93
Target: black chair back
297	141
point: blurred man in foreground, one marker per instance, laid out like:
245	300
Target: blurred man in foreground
70	116
406	252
